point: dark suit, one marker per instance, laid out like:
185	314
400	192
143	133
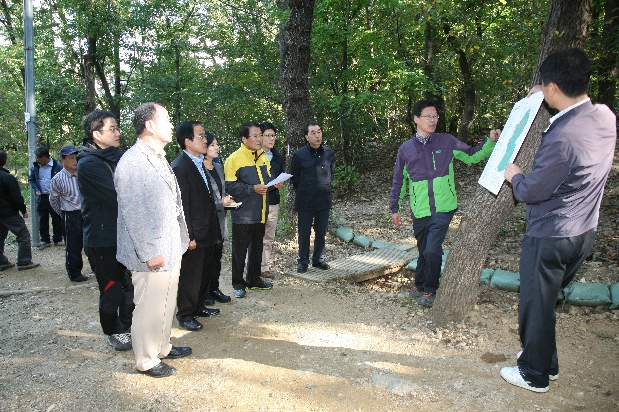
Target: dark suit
198	265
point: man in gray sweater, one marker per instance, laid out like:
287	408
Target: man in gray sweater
563	192
152	237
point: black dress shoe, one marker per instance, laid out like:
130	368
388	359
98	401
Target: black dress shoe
302	268
220	297
178	352
80	278
209	301
191	324
207	313
161	370
321	265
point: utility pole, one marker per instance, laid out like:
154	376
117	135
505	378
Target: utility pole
30	115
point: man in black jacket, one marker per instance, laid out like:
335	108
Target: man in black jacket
97	161
41	174
11	203
312	168
205	242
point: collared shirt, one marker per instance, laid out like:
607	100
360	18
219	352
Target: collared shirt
421	139
269	154
64	193
45	176
198	162
567	109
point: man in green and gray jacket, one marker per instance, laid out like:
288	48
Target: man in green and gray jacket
425	164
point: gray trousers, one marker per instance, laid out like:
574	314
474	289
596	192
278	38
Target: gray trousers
17	226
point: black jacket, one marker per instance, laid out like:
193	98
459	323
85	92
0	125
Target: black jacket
11	200
312	171
198	204
33	177
95	178
277	167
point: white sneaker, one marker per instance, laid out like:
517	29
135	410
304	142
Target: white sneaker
120	341
551	377
512	375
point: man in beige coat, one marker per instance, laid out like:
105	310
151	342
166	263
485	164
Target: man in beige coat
152	237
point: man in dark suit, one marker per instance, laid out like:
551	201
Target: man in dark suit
202	224
563	192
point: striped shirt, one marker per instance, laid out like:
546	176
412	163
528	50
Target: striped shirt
64	194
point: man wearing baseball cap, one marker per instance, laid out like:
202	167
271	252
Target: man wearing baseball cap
64	197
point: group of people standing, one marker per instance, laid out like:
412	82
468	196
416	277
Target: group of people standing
153	232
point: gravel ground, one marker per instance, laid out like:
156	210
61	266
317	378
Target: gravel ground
311	347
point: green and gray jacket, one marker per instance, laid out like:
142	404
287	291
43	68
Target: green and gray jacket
427	170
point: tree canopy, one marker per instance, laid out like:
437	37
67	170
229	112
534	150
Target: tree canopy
218	61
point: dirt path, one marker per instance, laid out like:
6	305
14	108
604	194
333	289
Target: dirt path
307	347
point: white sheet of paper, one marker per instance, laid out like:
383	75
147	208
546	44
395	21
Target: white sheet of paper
281	178
513	134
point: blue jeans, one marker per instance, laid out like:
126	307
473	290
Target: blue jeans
430	233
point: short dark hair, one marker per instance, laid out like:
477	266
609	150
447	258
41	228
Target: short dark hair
209	138
94	121
570	69
3	157
266	126
185	131
144	113
311	123
420	105
244	129
41	151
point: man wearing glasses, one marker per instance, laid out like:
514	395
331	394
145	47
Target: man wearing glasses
247	172
425	164
96	163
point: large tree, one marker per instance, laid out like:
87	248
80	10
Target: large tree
294	47
566	26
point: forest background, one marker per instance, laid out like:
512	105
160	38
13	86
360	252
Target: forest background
218	62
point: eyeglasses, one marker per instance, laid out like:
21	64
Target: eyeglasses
268	136
428	117
111	129
254	136
201	136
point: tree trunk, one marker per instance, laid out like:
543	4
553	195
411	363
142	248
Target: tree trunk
566	26
295	56
469	97
430	50
294	49
89	75
607	83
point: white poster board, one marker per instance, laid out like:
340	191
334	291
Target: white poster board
513	134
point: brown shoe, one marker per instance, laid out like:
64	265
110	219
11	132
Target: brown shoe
267	275
27	266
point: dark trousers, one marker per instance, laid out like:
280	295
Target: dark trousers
244	238
320	219
115	289
430	233
547	265
17	226
45	211
73	228
216	272
197	269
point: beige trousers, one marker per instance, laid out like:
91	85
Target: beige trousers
155	303
269	236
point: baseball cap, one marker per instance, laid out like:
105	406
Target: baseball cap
67	150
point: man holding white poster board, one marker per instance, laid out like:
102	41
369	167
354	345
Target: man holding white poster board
563	192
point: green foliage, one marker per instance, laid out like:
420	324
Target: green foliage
345	180
218	62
